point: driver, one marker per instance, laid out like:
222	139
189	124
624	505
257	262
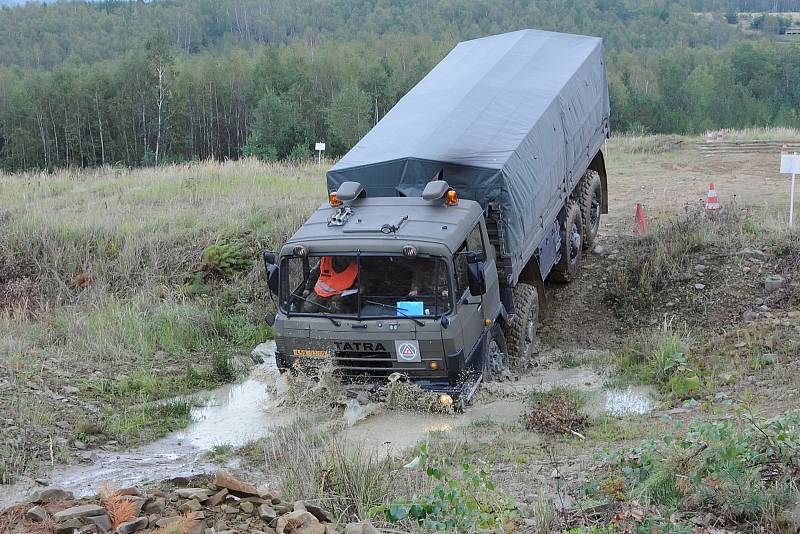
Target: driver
333	276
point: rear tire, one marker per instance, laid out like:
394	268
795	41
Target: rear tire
590	198
495	363
567	268
521	334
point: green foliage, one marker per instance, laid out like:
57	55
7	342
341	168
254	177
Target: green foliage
742	469
225	259
659	357
136	83
463	498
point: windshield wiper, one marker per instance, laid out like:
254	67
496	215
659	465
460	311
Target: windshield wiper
331	319
398	310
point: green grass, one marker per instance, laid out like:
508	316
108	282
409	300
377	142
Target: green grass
137	286
657	357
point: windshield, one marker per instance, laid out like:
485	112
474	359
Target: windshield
365	286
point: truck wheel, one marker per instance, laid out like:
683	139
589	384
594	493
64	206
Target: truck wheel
590	198
571	245
496	361
521	334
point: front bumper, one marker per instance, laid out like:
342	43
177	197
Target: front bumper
376	371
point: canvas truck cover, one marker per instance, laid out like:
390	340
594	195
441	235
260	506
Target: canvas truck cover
512	118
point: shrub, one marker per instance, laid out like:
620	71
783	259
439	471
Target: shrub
742	469
463	498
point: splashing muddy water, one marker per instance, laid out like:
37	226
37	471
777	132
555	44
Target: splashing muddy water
232	414
236	414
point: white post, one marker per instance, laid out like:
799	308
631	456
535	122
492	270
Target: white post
319	158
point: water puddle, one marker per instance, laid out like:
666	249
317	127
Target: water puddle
236	414
232	414
631	401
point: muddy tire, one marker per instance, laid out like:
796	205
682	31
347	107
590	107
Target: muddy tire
567	268
496	360
521	334
590	199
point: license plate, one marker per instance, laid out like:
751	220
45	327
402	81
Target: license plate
311	353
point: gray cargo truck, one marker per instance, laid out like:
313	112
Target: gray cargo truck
446	219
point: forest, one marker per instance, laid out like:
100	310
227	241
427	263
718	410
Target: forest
135	83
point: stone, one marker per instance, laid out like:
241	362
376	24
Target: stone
365	527
102	522
200	494
51	495
267	494
192	505
77	512
299	506
246	507
155	506
266	512
78	444
68	527
299	522
228	509
753	254
323	515
37	514
166	521
71	390
699	286
217	498
749	316
130	527
130	492
774	282
138	503
700	268
600	250
223	479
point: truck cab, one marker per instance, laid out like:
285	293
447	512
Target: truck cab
422	291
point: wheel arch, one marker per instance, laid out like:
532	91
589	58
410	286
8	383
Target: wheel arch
598	164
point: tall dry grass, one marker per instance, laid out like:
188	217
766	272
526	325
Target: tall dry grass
99	290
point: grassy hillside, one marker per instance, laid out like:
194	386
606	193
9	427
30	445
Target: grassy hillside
112	294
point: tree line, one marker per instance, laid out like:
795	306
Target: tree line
228	80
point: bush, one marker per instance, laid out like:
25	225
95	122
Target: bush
741	469
464	498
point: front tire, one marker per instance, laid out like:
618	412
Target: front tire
567	268
521	334
590	198
495	363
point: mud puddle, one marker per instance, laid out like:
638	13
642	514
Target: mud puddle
233	414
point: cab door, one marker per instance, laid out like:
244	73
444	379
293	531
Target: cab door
469	307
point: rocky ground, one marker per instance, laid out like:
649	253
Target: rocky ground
221	505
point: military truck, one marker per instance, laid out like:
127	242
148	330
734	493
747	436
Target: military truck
445	220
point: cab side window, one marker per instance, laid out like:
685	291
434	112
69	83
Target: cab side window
473	243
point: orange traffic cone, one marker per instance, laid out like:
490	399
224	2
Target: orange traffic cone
642	228
712	203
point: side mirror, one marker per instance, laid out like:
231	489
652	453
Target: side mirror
269	258
477	281
270	319
272	278
476	257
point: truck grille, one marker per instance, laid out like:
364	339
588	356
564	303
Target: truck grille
362	360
